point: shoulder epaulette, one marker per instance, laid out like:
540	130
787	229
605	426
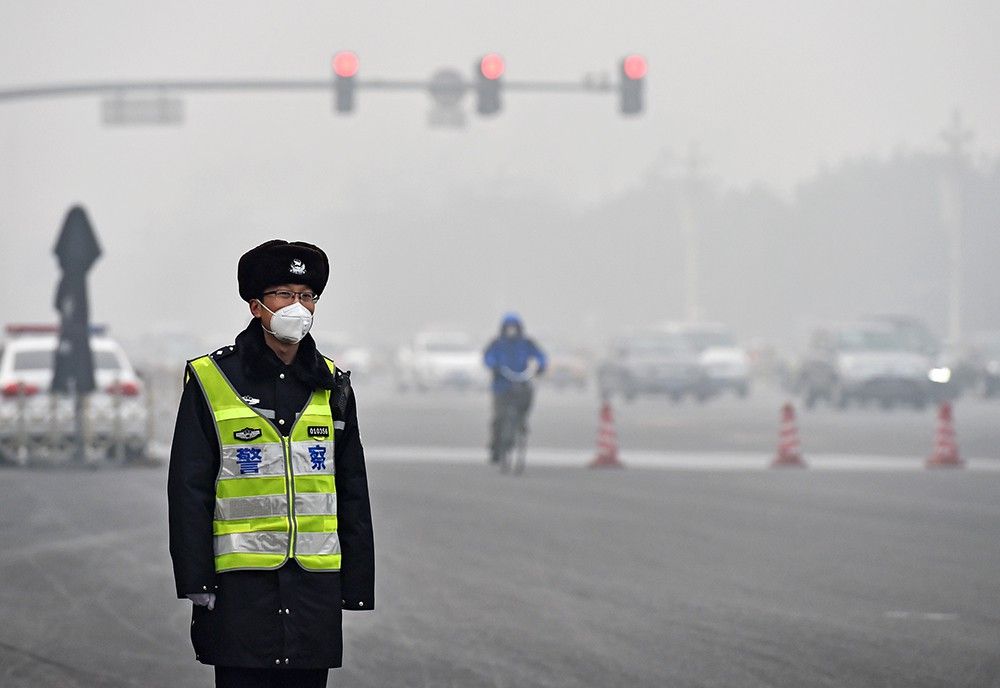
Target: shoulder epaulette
223	352
341	391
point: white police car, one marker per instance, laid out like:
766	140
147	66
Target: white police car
37	426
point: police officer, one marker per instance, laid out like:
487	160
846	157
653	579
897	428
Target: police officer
270	521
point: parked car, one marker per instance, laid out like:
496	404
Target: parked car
655	362
38	425
978	367
440	360
989	351
349	354
568	368
866	362
724	361
948	378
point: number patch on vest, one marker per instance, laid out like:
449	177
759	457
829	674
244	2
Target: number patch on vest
247	434
319	431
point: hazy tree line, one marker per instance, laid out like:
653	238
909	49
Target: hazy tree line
862	237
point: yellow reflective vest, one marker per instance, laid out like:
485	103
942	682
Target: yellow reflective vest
275	496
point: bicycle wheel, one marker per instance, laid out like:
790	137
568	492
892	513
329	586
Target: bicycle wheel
507	439
519	451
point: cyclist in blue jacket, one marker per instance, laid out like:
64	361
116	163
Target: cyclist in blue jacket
509	355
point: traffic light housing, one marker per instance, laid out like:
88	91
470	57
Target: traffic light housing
489	73
345	68
632	79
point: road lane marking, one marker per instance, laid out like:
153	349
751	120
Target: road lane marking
708	461
922	616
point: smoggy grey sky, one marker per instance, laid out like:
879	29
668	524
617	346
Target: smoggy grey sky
769	91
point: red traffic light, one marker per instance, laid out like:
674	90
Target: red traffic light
634	67
345	64
491	66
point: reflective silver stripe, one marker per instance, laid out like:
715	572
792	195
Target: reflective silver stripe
266	542
317	543
251	507
316	503
240	460
313	457
338	425
267	413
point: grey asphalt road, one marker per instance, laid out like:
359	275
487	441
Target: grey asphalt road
561	577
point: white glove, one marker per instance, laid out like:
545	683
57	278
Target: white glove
203	599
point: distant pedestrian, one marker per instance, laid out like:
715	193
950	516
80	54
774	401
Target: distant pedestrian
511	353
270	521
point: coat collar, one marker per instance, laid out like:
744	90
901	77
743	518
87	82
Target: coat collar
260	361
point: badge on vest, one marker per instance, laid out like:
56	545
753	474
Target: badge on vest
247	434
319	431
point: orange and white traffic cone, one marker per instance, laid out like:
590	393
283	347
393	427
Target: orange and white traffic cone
607	441
945	446
789	450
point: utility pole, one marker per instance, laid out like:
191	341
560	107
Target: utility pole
956	136
688	205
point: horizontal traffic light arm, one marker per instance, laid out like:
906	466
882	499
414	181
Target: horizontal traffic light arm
281	85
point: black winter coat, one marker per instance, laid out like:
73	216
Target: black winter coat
284	618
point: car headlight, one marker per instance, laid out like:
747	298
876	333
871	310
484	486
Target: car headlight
940	376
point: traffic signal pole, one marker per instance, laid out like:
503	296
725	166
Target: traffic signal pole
111	88
158	102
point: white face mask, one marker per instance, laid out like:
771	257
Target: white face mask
290	324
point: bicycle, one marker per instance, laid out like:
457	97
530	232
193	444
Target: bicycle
512	435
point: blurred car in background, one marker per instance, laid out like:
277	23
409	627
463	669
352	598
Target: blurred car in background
38	424
868	361
989	358
568	367
724	361
978	366
349	354
653	362
946	374
440	360
768	362
911	333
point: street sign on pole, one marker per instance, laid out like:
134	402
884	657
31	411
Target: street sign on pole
77	250
123	110
447	89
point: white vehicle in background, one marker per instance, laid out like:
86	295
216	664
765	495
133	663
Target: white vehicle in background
568	367
38	426
867	361
649	363
348	354
440	360
725	363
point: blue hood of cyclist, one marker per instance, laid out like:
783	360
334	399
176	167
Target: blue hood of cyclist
511	327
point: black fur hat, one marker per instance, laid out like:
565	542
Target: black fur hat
281	262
